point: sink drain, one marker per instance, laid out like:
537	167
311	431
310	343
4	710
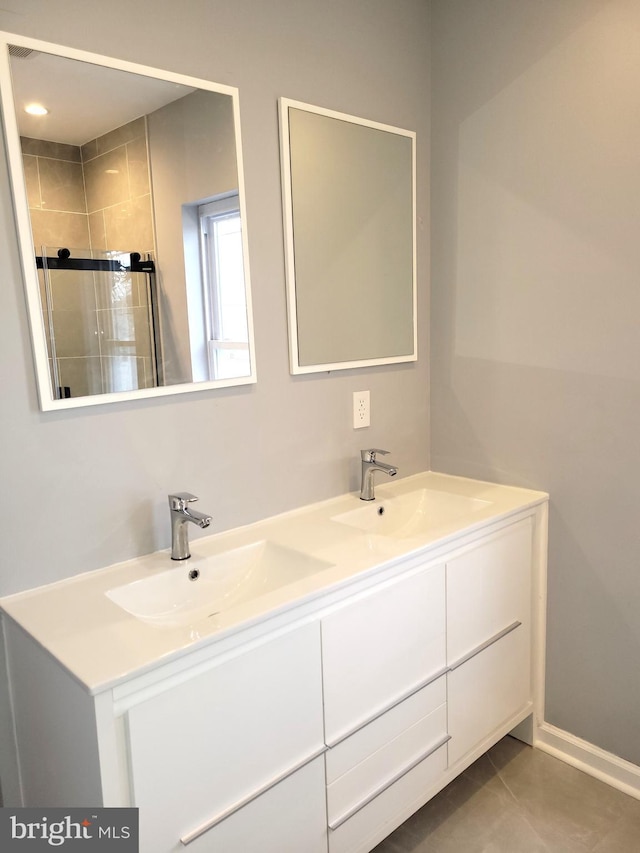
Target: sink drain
380	510
194	574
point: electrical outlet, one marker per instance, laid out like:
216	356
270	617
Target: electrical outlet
361	409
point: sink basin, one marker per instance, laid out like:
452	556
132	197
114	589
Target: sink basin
413	514
223	581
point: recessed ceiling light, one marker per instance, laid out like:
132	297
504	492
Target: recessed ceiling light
36	110
112	171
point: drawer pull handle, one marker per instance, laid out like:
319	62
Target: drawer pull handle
406	695
214	821
485	645
389	782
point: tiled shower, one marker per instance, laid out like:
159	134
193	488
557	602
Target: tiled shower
95	201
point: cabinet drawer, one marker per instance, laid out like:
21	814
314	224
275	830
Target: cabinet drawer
385	728
488	589
288	818
207	744
369	764
380	647
385	812
487	691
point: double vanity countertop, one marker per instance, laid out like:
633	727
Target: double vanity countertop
108	625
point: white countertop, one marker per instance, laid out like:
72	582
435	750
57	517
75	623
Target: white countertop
101	645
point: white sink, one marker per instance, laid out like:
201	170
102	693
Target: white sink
176	597
413	514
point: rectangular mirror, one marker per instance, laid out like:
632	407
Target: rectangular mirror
349	217
129	200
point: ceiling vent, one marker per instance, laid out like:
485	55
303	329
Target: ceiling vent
19	52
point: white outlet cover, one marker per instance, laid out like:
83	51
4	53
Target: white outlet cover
361	409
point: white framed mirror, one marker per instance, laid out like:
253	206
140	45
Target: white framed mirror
129	202
349	217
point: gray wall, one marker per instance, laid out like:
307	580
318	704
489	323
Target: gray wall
85	488
193	158
536	306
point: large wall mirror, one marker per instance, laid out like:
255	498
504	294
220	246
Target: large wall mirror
129	201
349	216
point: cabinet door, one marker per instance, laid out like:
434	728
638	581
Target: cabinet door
380	647
489	637
488	589
288	818
486	691
206	746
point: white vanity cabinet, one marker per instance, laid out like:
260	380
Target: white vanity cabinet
488	636
221	753
225	742
384	667
419	674
316	727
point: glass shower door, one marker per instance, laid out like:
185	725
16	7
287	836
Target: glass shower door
98	314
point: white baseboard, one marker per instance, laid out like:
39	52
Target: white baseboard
605	766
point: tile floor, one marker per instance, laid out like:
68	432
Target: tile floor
516	799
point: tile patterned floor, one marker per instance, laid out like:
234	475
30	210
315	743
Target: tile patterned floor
516	799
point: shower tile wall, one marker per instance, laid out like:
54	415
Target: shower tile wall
118	193
116	173
92	199
55	187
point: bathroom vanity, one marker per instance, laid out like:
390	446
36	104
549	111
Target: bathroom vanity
313	715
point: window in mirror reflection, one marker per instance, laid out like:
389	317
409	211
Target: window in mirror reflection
223	287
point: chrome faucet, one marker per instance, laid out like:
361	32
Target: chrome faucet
369	465
180	516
